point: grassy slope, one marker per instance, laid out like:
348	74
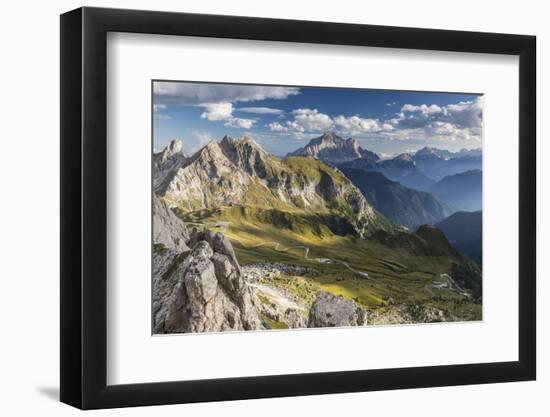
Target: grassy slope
393	273
266	229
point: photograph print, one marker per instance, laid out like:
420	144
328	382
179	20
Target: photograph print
292	207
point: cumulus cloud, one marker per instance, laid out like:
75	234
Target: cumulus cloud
454	122
261	110
310	120
199	93
237	123
305	120
218	100
423	108
277	127
460	121
465	114
216	112
356	125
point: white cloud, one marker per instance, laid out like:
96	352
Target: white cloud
460	121
218	99
310	120
356	125
156	110
216	112
239	123
393	103
261	110
465	114
305	120
424	109
277	127
199	93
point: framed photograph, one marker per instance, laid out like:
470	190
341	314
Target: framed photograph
257	208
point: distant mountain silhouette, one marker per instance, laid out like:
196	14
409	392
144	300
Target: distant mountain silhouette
403	205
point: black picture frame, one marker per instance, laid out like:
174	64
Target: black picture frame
84	207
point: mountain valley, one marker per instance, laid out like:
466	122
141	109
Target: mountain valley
245	240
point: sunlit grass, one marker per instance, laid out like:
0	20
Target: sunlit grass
394	274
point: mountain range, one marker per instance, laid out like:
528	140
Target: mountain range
453	178
462	191
437	167
464	231
239	173
403	205
290	229
402	168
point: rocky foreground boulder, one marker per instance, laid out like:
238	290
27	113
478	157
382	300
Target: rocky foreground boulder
201	289
197	281
335	311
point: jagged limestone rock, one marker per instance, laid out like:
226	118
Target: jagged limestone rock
200	291
335	311
169	160
200	279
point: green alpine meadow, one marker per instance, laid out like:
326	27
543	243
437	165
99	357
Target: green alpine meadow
290	220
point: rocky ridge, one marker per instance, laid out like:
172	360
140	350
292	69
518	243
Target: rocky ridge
240	173
334	149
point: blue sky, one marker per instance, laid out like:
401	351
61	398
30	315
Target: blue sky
282	119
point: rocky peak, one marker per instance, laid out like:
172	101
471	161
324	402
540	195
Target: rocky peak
426	150
332	148
167	162
434	153
246	154
404	159
210	154
330	138
174	148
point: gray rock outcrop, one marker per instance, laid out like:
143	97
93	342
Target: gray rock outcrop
201	290
335	311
